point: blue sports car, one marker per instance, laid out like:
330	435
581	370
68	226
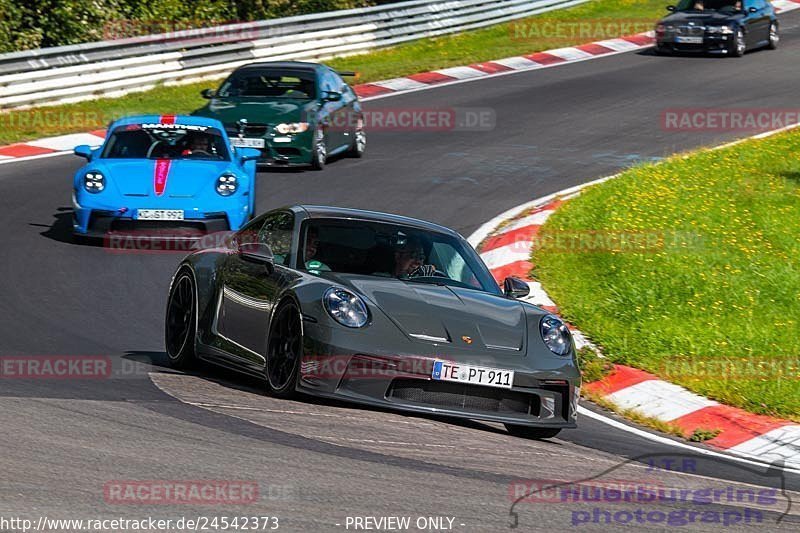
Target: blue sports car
164	173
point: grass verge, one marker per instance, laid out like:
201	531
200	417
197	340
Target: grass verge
690	269
596	20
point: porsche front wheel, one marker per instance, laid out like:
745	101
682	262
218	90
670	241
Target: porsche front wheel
180	325
284	350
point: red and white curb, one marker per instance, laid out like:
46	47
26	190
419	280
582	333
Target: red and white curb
507	252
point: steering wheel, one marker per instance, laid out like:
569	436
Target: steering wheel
427	271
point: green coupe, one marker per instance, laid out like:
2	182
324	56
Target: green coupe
296	113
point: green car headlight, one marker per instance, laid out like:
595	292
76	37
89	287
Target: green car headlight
294	127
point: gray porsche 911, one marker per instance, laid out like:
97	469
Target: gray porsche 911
377	309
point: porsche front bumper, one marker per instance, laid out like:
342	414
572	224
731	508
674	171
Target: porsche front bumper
542	398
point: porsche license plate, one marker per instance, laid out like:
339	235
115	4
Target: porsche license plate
159	214
245	142
689	40
476	375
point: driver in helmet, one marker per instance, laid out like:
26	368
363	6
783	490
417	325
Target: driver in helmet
198	143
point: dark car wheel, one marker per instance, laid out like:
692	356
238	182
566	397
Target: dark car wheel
774	36
319	152
359	140
528	432
180	325
284	350
663	51
738	45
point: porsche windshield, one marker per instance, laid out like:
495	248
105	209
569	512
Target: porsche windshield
388	250
166	141
252	83
721	6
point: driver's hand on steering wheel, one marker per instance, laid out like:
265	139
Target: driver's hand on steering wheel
423	271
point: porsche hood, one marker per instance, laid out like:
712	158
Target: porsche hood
468	319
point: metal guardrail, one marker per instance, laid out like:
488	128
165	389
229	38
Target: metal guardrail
112	68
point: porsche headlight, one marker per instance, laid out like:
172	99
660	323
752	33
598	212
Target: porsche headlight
294	127
227	184
345	307
556	335
94	181
722	30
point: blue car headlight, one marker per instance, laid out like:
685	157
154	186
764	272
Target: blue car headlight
227	184
556	335
345	307
94	181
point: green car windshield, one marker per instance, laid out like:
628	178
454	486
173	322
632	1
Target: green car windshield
394	251
251	83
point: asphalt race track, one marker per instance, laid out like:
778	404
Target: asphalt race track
319	462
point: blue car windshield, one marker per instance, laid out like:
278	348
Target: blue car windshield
721	6
166	141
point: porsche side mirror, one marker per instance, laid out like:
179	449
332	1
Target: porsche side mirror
515	288
84	150
208	94
257	252
332	96
670	8
249	154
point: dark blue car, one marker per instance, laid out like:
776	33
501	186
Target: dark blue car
726	27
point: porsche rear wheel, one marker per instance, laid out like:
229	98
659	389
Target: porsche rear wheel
284	350
180	325
528	432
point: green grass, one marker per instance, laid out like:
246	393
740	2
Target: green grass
705	291
549	30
